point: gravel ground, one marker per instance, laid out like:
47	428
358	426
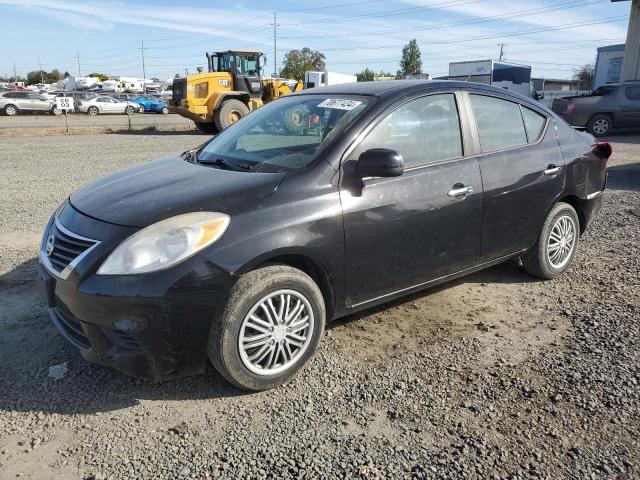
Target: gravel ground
492	376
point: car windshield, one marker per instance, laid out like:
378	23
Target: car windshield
285	135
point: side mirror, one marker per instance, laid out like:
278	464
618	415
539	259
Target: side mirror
379	162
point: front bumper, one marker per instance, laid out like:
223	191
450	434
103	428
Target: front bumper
153	326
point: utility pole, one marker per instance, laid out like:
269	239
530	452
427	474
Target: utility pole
15	75
41	74
144	73
501	45
275	45
78	57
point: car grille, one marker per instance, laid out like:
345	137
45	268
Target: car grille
62	247
70	328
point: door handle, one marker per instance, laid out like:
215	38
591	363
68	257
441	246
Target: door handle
551	170
460	190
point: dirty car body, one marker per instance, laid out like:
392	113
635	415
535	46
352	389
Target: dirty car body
459	203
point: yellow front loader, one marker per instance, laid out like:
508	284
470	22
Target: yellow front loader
227	92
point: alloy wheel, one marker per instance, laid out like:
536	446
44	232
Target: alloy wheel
276	332
561	242
601	126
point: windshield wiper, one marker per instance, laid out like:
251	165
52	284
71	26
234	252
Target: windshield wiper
222	163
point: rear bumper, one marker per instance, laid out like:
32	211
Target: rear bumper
153	326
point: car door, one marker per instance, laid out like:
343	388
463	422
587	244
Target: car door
22	101
629	100
39	103
404	231
522	171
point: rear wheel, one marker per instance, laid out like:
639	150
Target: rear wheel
270	327
600	125
228	113
130	110
207	128
556	245
165	110
10	110
93	111
56	111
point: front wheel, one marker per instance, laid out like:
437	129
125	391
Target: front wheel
556	245
56	111
130	110
228	113
270	327
600	125
93	111
165	110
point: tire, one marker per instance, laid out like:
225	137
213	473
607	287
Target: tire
245	297
93	111
228	113
56	111
294	119
537	261
11	110
130	110
207	128
165	110
600	125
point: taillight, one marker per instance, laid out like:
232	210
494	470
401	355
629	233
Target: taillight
570	108
602	150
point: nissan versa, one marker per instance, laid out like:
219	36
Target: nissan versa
313	207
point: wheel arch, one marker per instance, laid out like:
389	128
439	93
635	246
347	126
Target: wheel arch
218	99
608	114
304	262
578	205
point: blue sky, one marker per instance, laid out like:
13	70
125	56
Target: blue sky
554	37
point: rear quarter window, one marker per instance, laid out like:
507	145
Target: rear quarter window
632	93
534	124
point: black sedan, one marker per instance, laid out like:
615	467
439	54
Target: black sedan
313	207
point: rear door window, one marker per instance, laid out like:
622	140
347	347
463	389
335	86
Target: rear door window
499	123
534	124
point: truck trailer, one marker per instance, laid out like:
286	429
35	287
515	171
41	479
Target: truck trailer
510	76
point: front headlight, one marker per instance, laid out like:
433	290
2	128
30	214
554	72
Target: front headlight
165	243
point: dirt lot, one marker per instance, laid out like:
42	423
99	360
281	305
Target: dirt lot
493	376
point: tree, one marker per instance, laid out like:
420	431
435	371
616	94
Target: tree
411	62
366	75
296	62
100	76
38	76
584	74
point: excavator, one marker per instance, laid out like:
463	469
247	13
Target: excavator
231	89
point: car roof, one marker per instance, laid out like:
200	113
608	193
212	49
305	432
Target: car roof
393	87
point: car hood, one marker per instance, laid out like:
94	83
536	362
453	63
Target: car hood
142	195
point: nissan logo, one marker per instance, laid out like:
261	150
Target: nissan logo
50	245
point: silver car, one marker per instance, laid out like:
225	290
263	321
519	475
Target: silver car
96	105
12	103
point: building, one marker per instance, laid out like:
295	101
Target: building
608	68
557	84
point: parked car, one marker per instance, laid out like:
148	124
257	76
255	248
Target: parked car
242	249
78	97
608	108
96	105
13	102
150	103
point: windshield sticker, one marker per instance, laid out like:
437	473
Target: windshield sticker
339	103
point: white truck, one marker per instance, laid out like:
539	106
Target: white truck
317	79
510	76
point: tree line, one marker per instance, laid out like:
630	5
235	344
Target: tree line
296	62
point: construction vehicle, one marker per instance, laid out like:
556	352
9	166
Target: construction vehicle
231	89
